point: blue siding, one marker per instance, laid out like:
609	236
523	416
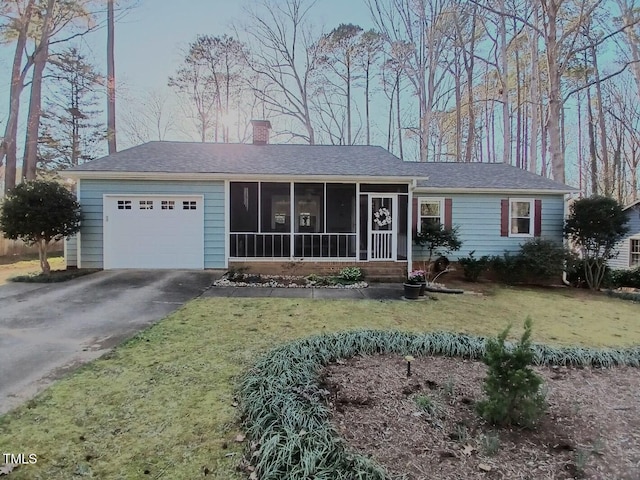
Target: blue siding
71	251
477	217
91	234
623	260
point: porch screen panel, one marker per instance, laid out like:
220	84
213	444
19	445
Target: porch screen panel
244	206
341	208
403	204
275	203
309	207
364	227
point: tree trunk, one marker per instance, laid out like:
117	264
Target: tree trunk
43	247
30	158
348	65
366	103
534	98
504	79
603	127
458	96
398	115
555	98
469	65
518	112
592	146
111	81
8	149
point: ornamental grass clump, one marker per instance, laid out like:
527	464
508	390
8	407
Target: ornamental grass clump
284	404
512	387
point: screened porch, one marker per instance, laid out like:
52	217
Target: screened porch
338	221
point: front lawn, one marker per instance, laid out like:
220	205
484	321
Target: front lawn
26	264
162	405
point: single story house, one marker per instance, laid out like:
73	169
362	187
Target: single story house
629	248
296	208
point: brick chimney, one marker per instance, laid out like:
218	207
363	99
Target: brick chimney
261	131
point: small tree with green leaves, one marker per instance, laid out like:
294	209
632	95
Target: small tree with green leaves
596	225
512	388
39	212
437	240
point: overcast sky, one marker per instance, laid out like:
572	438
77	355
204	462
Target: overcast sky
150	38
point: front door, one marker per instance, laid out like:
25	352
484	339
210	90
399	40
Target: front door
382	227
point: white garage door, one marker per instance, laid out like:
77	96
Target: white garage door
153	231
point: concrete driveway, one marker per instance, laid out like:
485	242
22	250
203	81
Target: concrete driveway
49	330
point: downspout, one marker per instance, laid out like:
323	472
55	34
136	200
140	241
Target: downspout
414	184
565	242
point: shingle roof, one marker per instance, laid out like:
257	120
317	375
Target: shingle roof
225	158
499	176
312	160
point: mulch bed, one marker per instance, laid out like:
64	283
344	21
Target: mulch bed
591	429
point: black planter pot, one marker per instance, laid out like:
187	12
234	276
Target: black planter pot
423	288
411	291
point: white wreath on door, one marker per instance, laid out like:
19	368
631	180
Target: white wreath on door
382	217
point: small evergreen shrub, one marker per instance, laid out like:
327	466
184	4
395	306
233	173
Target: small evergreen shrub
537	260
512	388
506	267
624	278
473	267
350	274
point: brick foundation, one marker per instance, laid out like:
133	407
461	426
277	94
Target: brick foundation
373	271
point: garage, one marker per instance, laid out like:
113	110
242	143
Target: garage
153	231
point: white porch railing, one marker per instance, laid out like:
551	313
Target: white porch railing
293	245
381	245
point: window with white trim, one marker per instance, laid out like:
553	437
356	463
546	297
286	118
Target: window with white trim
167	204
189	205
634	252
521	213
124	204
146	204
430	212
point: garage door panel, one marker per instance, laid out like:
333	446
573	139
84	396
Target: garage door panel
154	232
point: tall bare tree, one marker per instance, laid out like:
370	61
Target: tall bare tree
19	15
368	53
58	22
284	52
111	80
422	25
41	56
338	50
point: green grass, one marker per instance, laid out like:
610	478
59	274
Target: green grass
164	401
11	266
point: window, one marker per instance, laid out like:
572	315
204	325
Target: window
635	252
146	204
189	205
431	212
520	218
124	204
167	204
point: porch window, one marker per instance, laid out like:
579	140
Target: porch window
244	206
275	203
309	207
341	208
431	212
521	218
635	252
